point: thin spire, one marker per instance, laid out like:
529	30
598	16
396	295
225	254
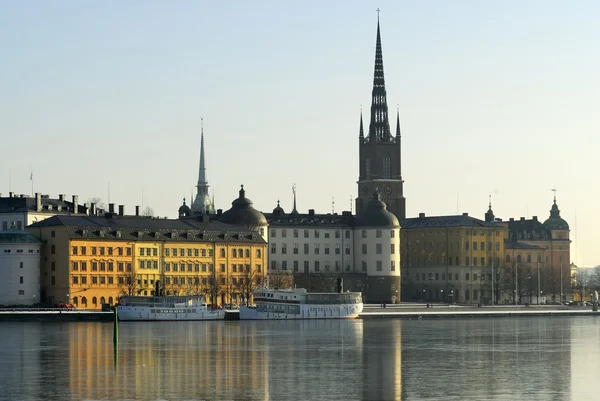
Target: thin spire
202	171
554	190
397	122
490	201
379	128
361	131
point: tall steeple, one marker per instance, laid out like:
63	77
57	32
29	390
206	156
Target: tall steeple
202	203
379	128
380	158
489	215
294	210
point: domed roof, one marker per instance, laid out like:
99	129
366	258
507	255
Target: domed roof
555	222
184	210
242	212
278	211
376	214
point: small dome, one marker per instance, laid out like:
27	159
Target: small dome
184	210
555	222
242	213
376	214
278	211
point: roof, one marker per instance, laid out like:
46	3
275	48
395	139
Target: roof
243	213
23	204
376	214
310	220
149	229
527	229
17	237
521	245
463	220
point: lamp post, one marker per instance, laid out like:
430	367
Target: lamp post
516	282
423	296
539	290
442	291
561	284
430	287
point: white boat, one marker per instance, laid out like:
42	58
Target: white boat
167	308
297	303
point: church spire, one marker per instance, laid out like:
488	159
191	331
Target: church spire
294	210
379	128
397	123
361	131
202	203
489	215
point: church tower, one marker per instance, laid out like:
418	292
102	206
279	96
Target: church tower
202	203
379	151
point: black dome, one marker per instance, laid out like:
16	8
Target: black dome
278	211
377	215
184	210
555	222
242	213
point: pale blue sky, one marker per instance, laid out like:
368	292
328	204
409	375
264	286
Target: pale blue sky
494	96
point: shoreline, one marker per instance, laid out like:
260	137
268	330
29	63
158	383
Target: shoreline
402	311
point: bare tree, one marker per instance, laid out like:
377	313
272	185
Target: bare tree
128	283
148	212
248	282
281	279
97	201
582	283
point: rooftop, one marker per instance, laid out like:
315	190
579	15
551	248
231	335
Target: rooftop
463	220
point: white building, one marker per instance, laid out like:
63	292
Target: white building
317	248
19	211
19	268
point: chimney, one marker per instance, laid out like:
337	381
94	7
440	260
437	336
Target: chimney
137	210
75	204
92	209
111	208
511	219
11	194
121	210
205	218
38	201
534	218
522	218
61	197
466	214
311	212
219	212
421	215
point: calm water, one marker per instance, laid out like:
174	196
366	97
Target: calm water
462	359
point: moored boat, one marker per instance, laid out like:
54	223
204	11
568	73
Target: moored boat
298	303
172	308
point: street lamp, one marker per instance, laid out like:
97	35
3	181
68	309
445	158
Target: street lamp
423	296
442	291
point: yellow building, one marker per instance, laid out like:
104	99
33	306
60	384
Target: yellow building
90	261
450	258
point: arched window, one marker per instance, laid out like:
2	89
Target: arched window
258	253
247	253
110	300
102	301
368	167
84	301
241	253
94	301
234	253
387	166
222	252
467	295
518	258
74	300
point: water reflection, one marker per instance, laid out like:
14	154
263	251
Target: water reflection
461	359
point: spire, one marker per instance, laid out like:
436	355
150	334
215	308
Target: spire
202	203
397	122
202	170
554	211
379	128
361	131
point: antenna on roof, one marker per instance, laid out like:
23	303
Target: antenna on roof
332	205
109	192
351	204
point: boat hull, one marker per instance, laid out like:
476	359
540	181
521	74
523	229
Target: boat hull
137	313
316	311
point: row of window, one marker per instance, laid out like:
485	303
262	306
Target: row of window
477	246
18	225
481	246
101	250
441	261
84	301
327	265
326	233
20	251
204	267
317	249
519	259
101	266
189	281
437	276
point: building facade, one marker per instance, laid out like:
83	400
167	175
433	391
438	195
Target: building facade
450	258
92	260
19	268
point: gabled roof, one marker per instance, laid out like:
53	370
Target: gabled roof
445	221
150	229
520	245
